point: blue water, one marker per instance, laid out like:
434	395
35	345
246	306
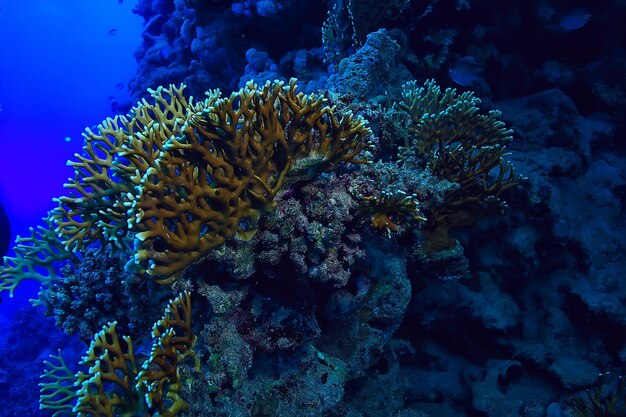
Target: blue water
60	67
59	71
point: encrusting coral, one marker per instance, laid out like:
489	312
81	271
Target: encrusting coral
112	294
114	383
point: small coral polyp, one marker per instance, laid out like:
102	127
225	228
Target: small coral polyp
389	209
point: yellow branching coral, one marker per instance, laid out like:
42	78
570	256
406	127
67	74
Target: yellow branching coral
113	384
159	378
115	159
231	159
108	389
462	146
175	178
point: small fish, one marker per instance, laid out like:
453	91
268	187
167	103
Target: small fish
466	72
573	20
119	86
112	32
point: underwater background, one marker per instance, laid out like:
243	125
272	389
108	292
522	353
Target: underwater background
332	208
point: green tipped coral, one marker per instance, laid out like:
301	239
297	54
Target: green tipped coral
57	392
462	145
36	258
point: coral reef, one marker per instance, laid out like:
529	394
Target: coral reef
434	280
179	179
267	342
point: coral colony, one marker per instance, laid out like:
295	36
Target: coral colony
163	186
